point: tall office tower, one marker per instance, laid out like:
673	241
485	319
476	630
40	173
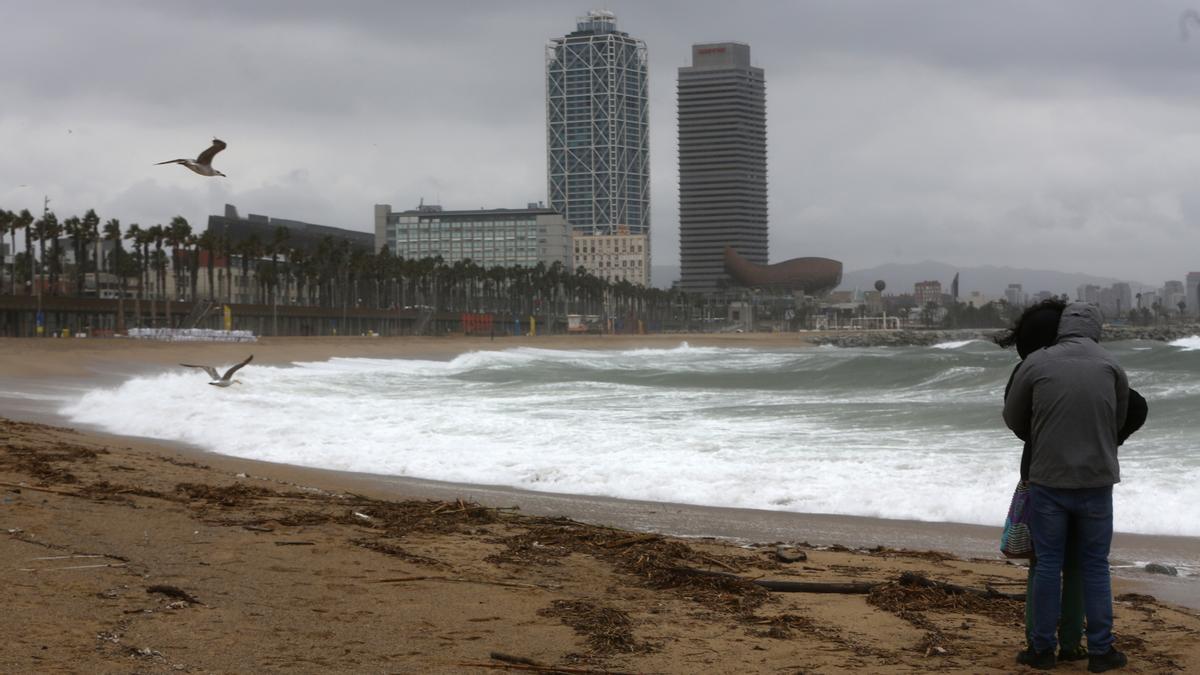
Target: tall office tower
1192	293
1124	297
722	163
597	145
1170	297
597	130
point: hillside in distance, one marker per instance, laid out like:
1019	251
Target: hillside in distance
987	279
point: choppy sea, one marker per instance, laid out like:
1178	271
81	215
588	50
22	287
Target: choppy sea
909	433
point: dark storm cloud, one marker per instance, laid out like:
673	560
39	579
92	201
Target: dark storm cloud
1029	134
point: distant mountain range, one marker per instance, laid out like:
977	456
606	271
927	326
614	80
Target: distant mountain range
988	279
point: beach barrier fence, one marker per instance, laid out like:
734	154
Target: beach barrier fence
191	335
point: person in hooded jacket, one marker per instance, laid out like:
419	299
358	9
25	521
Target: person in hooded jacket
1036	329
1071	400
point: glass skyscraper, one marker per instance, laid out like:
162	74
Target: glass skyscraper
597	143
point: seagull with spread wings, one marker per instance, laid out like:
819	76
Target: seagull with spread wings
220	380
202	164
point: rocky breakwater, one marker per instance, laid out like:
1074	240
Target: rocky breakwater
1168	333
898	338
928	338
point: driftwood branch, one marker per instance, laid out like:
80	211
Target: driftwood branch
521	663
509	584
635	539
718	563
174	592
65	493
849	587
71	567
914	579
509	658
854	587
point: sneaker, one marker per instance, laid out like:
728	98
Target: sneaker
1076	653
1111	660
1035	659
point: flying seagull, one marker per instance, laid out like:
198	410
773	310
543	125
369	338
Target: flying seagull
202	164
220	380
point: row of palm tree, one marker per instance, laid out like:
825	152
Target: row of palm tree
165	263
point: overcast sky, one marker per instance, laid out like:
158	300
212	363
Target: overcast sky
1061	135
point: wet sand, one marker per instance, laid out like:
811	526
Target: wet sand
321	605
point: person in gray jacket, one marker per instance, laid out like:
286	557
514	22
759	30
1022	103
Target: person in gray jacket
1070	400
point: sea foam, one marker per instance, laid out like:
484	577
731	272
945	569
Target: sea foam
912	433
1188	344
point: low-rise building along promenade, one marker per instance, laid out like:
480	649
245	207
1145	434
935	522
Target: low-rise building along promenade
299	235
487	237
614	257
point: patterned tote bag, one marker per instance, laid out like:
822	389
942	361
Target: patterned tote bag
1016	541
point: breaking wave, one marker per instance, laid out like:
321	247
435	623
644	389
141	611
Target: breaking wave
911	433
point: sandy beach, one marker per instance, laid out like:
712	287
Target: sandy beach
126	555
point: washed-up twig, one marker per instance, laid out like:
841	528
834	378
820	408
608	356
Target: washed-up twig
914	579
65	493
295	543
73	555
72	567
541	669
468	509
258	528
524	663
509	658
635	539
460	506
510	584
174	592
718	563
854	587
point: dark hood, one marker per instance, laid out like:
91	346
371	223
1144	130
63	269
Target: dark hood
1080	319
1038	330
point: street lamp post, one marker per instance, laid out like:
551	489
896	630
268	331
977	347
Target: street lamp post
40	320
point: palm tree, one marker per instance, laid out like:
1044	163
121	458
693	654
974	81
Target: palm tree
191	247
321	263
91	235
54	230
278	245
226	249
23	221
6	222
176	235
41	229
249	249
208	242
141	238
298	265
155	235
133	233
116	267
73	227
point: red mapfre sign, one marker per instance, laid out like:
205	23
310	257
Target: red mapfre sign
711	50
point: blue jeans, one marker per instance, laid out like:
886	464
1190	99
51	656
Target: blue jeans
1088	513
